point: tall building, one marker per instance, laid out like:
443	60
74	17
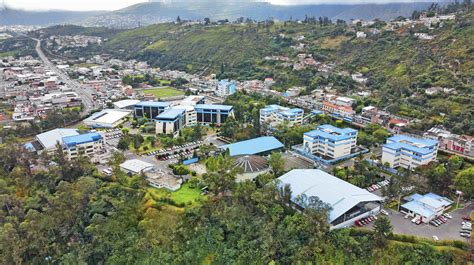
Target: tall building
150	109
274	115
83	144
213	114
409	152
226	88
330	142
170	121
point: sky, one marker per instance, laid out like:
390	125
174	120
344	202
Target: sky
118	4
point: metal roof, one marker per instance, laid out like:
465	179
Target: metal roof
126	103
418	145
153	104
170	114
332	132
253	146
70	141
49	139
108	116
212	106
339	194
136	166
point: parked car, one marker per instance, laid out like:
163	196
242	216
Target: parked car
447	215
467	218
384	212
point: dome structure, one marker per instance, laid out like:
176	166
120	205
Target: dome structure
251	163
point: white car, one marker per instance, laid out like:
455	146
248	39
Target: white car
435	238
384	212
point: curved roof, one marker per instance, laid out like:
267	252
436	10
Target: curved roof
251	163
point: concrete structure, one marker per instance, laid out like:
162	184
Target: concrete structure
427	207
135	166
409	152
330	142
213	114
150	109
86	144
450	142
257	146
126	104
347	202
170	121
108	118
225	88
48	140
273	115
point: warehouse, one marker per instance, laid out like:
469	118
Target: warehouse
347	202
108	118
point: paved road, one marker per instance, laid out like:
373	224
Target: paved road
85	94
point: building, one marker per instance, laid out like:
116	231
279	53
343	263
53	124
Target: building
330	142
361	35
274	115
135	166
86	144
409	152
348	203
427	207
338	111
192	100
225	88
126	104
150	109
450	142
171	121
257	146
208	114
108	118
49	140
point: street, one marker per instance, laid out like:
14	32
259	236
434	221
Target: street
85	94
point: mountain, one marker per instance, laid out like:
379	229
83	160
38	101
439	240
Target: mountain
165	11
9	16
156	12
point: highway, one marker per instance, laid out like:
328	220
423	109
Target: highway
85	94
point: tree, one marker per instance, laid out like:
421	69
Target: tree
383	229
277	163
464	181
123	143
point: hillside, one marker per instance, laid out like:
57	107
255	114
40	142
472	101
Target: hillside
9	16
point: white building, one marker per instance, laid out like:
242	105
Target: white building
171	121
274	115
361	35
330	142
409	152
348	203
427	207
135	166
108	118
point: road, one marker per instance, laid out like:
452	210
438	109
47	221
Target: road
85	94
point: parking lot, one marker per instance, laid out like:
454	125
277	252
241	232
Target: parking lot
446	231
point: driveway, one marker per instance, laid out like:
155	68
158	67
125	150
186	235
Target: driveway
449	230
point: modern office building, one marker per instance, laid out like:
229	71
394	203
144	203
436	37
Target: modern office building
330	142
150	109
273	115
409	152
170	121
347	203
225	88
213	114
86	144
108	118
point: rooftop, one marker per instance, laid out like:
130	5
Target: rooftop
109	116
170	114
339	194
251	163
136	166
418	145
425	205
71	141
153	104
49	139
126	103
211	106
332	132
253	146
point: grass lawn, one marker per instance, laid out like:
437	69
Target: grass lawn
163	92
184	195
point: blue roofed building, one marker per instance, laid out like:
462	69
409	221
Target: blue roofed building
86	144
257	146
409	152
347	202
427	207
171	121
150	109
330	142
213	114
226	88
273	115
